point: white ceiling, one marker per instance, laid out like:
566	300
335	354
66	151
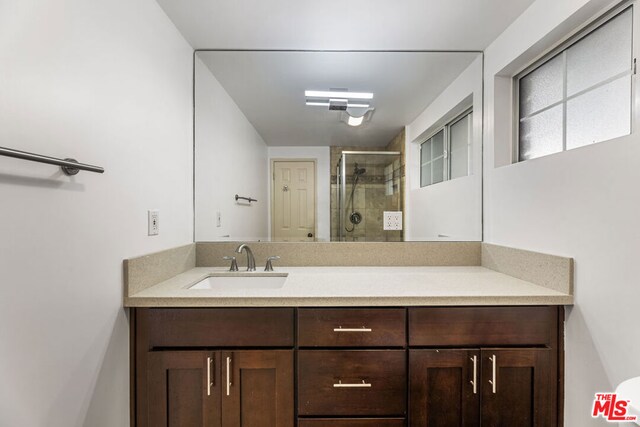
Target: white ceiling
269	89
343	24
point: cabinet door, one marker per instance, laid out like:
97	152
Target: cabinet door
258	388
184	389
518	388
444	388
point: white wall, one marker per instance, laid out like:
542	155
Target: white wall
323	182
582	203
109	83
231	158
451	208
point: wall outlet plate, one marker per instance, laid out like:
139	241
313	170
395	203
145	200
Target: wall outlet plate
392	220
154	222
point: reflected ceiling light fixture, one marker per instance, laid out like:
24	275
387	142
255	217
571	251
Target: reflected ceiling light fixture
337	99
355	121
350	105
337	94
326	104
338	104
356	116
353	111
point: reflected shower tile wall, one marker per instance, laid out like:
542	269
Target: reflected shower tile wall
375	196
370	198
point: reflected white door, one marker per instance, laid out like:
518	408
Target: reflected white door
294	201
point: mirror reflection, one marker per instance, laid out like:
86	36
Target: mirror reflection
338	146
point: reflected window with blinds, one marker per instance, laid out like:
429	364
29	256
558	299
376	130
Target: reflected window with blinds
445	155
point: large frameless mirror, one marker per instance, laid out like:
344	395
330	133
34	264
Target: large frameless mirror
338	146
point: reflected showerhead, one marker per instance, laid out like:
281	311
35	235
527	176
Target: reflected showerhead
359	171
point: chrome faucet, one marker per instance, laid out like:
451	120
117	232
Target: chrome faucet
251	261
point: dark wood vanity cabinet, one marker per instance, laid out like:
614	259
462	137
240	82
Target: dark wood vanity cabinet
213	368
352	363
490	387
504	371
220	388
347	367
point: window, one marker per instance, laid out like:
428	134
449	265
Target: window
579	95
445	155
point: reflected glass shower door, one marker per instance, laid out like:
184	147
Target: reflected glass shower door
369	183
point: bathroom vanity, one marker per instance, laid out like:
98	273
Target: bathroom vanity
366	367
460	334
366	346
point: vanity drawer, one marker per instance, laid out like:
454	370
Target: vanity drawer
352	422
482	326
352	382
351	327
218	327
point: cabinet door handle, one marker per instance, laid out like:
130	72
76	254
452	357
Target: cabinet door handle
228	376
363	384
210	378
341	329
493	381
474	383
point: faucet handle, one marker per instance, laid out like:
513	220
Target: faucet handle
234	263
269	266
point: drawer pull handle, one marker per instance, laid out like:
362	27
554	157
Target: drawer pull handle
341	329
352	385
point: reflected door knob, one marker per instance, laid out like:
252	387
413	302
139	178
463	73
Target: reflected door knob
310	235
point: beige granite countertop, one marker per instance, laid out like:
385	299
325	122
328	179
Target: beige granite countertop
354	286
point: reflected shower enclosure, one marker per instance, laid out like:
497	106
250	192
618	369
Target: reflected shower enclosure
368	184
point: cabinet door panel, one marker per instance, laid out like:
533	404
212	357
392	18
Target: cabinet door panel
520	390
260	389
182	389
441	388
219	327
482	326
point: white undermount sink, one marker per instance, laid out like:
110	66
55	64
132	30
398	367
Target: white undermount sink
241	281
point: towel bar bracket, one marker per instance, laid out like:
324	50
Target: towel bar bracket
69	170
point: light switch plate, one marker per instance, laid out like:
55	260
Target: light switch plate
392	220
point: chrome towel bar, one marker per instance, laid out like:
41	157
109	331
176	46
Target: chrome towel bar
69	166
